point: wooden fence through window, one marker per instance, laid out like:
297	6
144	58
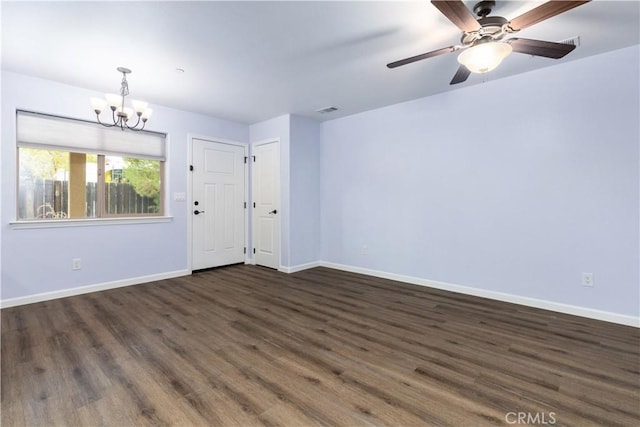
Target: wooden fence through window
45	198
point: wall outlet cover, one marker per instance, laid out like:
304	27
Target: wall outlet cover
587	279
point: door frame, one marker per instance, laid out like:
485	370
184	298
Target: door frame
189	206
252	199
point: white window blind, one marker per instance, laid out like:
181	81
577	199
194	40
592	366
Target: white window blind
57	133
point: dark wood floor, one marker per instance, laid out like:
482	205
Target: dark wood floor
247	346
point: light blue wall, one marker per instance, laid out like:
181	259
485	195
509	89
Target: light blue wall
516	186
523	200
39	260
305	191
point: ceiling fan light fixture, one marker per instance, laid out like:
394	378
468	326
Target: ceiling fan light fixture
484	57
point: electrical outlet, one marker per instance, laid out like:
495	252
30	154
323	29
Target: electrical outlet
587	279
76	264
364	250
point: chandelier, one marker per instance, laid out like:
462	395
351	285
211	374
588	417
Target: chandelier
119	113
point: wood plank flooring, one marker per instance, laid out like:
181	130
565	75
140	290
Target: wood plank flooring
248	346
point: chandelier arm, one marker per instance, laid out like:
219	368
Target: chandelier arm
134	126
120	120
104	124
135	129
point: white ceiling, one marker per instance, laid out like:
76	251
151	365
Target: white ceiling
252	61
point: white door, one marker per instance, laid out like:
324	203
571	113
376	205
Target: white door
218	204
266	207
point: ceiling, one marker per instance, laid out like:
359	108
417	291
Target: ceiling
252	61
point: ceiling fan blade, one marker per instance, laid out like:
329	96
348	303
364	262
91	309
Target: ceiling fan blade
458	13
544	11
422	56
461	75
541	48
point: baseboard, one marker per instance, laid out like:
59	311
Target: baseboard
46	296
499	296
300	267
467	290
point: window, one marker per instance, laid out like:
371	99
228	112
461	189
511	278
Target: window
70	169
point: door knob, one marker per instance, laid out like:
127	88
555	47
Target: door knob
197	212
275	211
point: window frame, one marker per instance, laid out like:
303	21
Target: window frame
102	217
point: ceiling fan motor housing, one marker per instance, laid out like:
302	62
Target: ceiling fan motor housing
492	27
484	8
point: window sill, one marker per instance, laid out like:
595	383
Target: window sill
88	222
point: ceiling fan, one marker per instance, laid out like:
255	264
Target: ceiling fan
482	44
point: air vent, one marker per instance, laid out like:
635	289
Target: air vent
575	41
326	110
